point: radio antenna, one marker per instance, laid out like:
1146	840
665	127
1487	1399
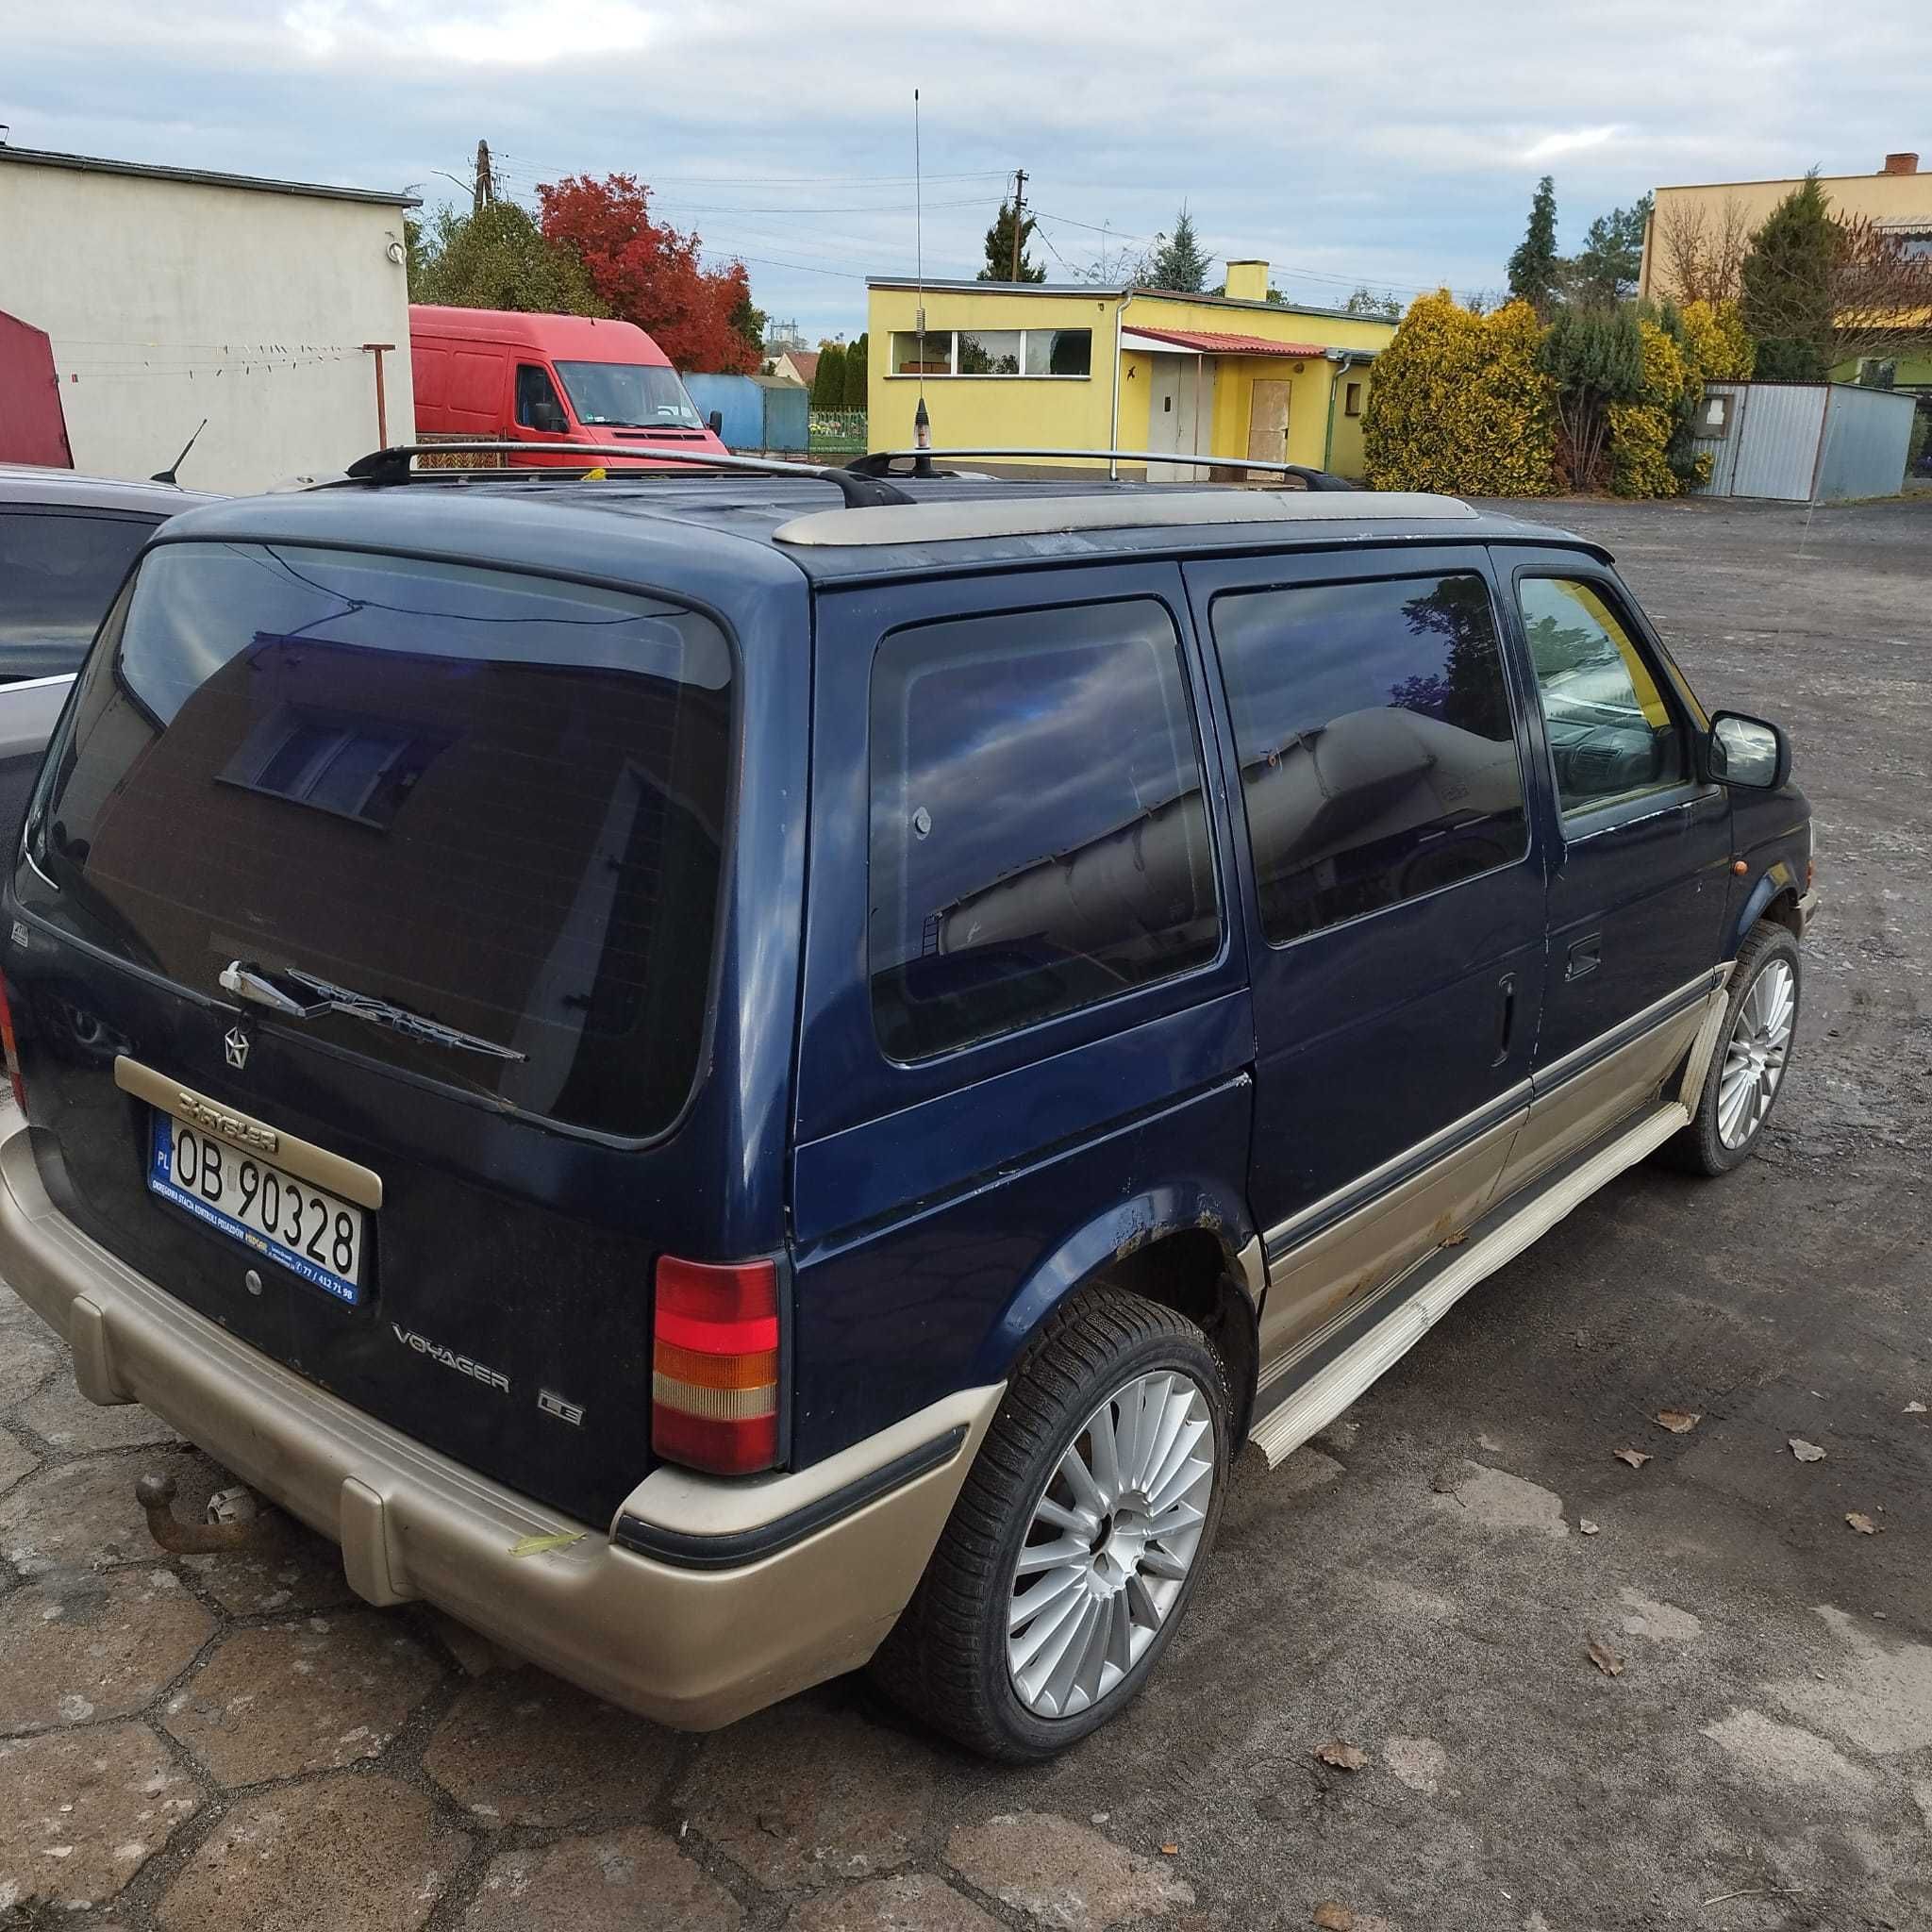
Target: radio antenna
922	423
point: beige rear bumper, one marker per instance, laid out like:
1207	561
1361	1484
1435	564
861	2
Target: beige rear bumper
695	1643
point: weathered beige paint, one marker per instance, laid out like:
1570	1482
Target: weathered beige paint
168	301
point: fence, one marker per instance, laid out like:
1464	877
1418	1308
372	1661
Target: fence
837	431
756	412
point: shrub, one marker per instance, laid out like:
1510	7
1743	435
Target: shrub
1596	358
1715	342
1642	431
1459	405
829	385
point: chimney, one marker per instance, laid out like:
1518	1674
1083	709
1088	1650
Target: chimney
1900	165
1247	282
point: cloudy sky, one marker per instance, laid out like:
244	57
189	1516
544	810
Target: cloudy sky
1394	143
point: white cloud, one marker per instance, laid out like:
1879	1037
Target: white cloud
1574	141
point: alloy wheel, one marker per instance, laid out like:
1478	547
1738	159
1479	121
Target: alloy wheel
1755	1053
1111	1542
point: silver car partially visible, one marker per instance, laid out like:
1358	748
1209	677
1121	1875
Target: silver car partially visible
66	543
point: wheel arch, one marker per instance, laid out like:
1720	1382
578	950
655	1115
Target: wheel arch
1188	1245
1774	896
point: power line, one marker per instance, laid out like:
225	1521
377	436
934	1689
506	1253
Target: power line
880	207
777	180
730	254
1286	268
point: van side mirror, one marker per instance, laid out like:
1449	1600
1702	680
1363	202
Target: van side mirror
715	423
548	416
1747	752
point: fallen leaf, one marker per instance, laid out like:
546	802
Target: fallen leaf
1170	1851
1454	1241
1342	1756
1915	1409
1334	1918
1805	1451
1862	1522
536	1546
1676	1421
1587	1528
1634	1458
1605	1658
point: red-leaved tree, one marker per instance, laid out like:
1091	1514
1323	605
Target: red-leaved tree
649	274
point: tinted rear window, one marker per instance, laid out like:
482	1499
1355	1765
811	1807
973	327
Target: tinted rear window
495	801
58	572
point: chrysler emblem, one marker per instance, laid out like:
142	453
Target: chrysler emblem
236	1042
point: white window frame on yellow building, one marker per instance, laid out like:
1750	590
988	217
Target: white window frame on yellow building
953	373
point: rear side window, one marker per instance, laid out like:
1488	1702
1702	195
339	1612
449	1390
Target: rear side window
58	572
1378	758
491	801
1039	840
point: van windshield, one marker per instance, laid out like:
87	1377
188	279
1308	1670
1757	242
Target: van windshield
494	802
628	395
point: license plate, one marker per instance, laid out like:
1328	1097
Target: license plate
294	1223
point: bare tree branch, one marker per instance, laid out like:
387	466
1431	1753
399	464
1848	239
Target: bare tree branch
1701	250
1881	295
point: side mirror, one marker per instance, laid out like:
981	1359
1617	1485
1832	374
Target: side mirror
715	423
1747	752
549	418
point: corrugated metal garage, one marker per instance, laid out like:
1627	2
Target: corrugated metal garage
1803	441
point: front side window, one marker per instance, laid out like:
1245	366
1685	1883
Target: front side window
59	571
1611	734
537	404
1378	758
1038	837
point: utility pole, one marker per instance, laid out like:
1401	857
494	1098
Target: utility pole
485	191
1019	203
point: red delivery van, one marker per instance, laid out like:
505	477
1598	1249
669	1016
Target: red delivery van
497	374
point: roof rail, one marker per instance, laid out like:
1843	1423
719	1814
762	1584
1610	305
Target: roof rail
1047	512
879	463
384	467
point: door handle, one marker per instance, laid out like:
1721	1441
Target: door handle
1507	1027
1585	955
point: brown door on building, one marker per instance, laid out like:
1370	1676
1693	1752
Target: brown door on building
1268	426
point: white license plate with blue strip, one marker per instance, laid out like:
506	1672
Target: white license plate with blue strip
311	1233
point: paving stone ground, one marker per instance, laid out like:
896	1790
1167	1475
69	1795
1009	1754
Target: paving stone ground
221	1745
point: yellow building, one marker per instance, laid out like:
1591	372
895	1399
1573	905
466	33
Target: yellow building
1006	365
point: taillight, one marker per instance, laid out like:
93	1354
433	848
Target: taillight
7	1041
714	1384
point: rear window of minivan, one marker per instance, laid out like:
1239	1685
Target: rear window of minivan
494	801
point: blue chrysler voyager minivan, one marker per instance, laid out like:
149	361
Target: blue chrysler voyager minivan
729	1078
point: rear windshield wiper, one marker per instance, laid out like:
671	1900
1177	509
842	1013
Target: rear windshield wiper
250	982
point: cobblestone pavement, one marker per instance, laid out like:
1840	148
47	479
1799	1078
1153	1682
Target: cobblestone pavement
234	1741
